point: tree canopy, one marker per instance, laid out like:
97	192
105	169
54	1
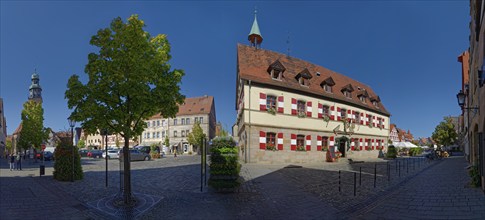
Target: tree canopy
444	133
129	80
33	132
195	137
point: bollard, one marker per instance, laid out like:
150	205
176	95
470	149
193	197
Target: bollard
355	184
375	175
339	188
360	176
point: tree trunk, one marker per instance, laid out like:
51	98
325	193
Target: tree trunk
127	172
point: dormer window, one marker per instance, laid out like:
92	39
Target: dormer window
363	95
362	98
304	77
375	101
276	70
327	85
347	91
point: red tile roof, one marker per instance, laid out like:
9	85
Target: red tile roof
253	65
194	106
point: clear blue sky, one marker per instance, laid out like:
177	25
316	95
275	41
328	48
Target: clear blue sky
405	50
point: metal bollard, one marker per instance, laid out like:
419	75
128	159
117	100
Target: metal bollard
339	187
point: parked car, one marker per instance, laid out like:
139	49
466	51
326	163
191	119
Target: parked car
135	155
83	153
95	153
111	154
144	149
47	155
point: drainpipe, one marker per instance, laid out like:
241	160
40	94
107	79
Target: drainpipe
249	147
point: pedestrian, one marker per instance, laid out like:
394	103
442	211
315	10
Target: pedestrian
12	162
19	162
175	154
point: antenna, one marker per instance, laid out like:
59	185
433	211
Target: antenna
288	44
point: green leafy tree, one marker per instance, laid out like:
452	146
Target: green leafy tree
166	142
8	146
444	133
81	143
33	132
195	137
130	80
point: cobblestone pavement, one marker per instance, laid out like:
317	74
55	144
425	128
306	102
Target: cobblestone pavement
269	191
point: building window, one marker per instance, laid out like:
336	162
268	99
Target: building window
163	122
325	111
183	133
148	124
153	123
303	81
196	119
357	117
187	121
362	99
270	102
300	105
375	104
300	141
163	133
201	119
348	94
327	88
369	119
145	135
158	123
158	134
148	135
153	135
380	122
343	113
183	121
175	133
270	139
324	142
276	74
175	122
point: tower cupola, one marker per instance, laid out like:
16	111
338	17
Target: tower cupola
35	91
255	36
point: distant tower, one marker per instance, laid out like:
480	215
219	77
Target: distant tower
255	36
35	91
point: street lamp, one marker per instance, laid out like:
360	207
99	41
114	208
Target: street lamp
104	132
72	123
461	101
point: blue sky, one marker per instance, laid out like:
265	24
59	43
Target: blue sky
405	50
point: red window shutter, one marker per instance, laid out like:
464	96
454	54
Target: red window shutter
332	141
262	140
293	141
339	114
332	112
309	109
373	144
320	110
361	143
262	102
281	104
293	106
362	118
383	123
308	142
367	120
319	143
373	121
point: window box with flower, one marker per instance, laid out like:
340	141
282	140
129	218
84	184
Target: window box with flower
301	114
272	110
271	147
325	148
300	148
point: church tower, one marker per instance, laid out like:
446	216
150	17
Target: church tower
255	36
35	91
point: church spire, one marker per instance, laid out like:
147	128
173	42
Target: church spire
255	36
35	91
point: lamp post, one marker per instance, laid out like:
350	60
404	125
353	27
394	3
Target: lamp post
461	102
105	133
72	123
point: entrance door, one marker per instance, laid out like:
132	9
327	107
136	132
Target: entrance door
341	147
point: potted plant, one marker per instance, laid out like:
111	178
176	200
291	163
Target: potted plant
272	111
325	148
300	148
270	146
301	114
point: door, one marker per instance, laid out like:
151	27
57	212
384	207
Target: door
341	147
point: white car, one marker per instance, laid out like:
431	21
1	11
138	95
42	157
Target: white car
111	154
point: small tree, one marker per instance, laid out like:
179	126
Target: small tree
63	166
81	143
8	146
130	80
33	132
195	137
444	133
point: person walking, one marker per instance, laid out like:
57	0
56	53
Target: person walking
12	162
19	162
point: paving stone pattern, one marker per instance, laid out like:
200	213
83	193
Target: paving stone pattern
429	190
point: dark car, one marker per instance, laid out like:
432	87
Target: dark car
135	155
95	153
83	153
47	155
144	149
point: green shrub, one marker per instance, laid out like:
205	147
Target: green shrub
63	164
475	176
154	155
391	152
224	167
415	151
